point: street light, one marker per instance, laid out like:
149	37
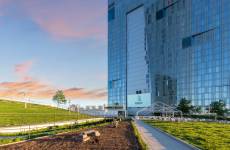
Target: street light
29	102
77	111
69	104
25	99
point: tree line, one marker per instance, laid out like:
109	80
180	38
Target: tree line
217	107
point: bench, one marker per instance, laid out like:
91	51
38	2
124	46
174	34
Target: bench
92	133
85	136
115	123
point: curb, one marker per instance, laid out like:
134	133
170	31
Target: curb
133	123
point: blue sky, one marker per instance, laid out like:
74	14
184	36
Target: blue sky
45	47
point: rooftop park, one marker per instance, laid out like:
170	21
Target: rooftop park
15	114
204	135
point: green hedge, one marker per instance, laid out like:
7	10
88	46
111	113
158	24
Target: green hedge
138	136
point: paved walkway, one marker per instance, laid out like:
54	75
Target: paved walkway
157	140
25	128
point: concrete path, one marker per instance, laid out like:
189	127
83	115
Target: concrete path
157	140
25	128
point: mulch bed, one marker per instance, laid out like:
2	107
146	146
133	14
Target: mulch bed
121	138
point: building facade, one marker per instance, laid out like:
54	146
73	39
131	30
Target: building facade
165	50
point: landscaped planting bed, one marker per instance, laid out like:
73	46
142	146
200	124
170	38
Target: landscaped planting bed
16	137
120	138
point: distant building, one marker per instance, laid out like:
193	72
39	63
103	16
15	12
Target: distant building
164	50
74	108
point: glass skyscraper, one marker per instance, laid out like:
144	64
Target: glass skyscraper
165	50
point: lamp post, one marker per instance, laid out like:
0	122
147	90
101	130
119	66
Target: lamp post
29	102
77	111
69	104
25	99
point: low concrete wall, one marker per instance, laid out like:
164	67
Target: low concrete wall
18	129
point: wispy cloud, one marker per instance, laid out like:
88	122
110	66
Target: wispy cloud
68	19
64	19
60	19
36	89
83	93
23	69
4	2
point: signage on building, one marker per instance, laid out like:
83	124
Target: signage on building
139	100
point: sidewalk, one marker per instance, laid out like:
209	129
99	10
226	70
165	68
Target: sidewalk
25	128
157	140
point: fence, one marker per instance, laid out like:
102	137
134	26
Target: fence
20	126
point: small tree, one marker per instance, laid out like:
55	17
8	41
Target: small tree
185	106
59	98
218	107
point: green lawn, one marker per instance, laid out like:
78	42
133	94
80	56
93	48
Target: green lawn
204	135
14	114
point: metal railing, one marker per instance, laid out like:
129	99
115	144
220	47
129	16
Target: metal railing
18	126
159	107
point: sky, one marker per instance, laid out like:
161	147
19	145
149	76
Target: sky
50	45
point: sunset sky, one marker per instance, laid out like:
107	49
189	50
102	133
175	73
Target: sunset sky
53	44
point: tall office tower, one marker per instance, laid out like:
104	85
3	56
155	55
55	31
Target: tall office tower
165	50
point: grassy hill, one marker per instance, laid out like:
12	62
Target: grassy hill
14	114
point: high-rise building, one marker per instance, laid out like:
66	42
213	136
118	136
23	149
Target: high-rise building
165	50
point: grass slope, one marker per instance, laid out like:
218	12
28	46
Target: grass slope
203	135
14	114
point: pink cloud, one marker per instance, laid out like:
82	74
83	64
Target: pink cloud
36	89
4	2
23	69
63	19
69	19
83	93
39	90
